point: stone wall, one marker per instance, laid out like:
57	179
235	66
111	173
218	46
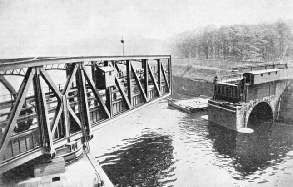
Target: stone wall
286	104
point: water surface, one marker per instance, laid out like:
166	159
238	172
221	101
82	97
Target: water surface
161	146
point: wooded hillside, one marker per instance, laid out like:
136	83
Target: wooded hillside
264	42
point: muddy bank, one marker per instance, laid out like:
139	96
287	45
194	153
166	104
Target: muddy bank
194	72
195	80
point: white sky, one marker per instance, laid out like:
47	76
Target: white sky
31	28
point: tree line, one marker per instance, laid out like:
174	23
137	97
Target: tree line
263	42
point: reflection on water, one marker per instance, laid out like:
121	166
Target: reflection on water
142	162
180	149
264	148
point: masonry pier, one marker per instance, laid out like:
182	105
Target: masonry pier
253	92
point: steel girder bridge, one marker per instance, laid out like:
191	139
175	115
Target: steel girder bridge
39	116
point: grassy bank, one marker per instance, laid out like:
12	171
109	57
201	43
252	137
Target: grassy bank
194	77
200	69
195	69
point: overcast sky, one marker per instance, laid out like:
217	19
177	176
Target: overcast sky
32	28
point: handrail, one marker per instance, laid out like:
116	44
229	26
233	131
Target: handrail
228	78
258	65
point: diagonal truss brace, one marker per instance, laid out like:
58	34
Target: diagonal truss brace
66	90
16	110
123	93
165	78
154	80
96	93
139	84
58	95
121	90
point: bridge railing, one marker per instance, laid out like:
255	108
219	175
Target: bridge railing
232	79
227	92
43	115
261	66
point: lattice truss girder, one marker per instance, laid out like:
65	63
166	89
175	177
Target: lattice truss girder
49	120
155	71
33	76
18	72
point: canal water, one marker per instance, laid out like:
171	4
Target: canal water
161	146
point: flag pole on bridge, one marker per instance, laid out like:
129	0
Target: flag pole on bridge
122	41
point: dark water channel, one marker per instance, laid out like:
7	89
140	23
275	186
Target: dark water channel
161	146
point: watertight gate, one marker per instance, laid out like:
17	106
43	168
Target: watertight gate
61	101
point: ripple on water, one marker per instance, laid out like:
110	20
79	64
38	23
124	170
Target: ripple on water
143	162
164	153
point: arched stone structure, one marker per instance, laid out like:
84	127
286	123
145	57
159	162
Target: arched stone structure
262	111
270	101
235	102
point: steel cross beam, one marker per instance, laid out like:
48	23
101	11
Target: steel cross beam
43	118
128	70
146	78
170	74
82	101
159	74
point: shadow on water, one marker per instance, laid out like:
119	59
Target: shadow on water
144	161
266	147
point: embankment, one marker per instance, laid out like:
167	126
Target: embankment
194	80
191	87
